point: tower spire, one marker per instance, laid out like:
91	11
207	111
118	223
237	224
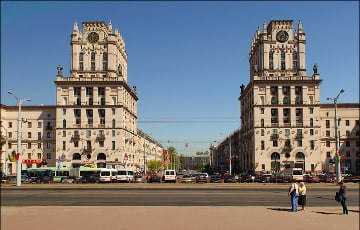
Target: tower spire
110	27
76	28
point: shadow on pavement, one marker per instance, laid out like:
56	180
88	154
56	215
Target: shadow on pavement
329	213
281	209
357	211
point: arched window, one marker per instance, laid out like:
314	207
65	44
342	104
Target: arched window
275	156
275	162
76	156
64	123
101	156
300	156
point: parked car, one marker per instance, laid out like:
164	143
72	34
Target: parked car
41	179
215	178
139	179
92	178
330	178
311	178
348	178
276	178
155	178
201	177
228	178
70	179
244	177
9	180
188	178
286	179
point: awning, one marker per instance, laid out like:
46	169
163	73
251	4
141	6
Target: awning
29	161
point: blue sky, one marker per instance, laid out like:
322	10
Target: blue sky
187	59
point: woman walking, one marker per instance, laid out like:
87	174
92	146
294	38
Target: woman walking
302	195
294	193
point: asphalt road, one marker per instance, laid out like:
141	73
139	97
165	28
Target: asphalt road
169	196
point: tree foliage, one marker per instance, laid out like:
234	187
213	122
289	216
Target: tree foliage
153	165
202	153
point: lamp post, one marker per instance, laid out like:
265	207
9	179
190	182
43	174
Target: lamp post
18	163
6	149
230	156
338	167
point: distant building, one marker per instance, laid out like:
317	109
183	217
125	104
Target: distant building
94	120
196	162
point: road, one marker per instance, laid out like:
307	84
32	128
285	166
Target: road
164	195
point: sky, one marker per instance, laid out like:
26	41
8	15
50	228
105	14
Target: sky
187	59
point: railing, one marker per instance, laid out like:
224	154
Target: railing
87	149
100	137
75	137
274	137
298	136
48	127
287	148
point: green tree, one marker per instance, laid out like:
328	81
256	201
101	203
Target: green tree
153	165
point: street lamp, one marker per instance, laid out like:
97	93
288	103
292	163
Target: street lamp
338	167
18	163
6	150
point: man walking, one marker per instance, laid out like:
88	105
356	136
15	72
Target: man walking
342	195
294	193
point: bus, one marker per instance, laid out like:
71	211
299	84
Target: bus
294	173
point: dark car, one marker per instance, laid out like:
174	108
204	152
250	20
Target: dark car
330	178
244	177
229	178
311	179
41	179
215	179
348	178
155	179
92	178
276	178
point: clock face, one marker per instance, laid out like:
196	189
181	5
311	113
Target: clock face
93	37
282	36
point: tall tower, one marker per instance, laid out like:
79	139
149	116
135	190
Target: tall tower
280	107
96	110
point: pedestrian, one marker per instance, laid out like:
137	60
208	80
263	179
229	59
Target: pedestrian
342	195
302	195
294	193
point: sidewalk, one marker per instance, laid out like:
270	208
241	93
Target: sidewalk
176	218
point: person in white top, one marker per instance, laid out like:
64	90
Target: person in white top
294	193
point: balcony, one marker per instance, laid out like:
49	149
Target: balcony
75	137
287	148
298	136
100	137
299	124
287	124
101	126
48	127
274	137
87	149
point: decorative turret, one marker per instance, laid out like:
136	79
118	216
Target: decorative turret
116	31
76	28
110	27
300	27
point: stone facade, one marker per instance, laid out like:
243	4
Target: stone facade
94	121
282	120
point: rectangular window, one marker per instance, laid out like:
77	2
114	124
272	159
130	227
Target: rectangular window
328	154
39	135
29	134
263	167
29	124
39	145
39	125
101	91
64	111
347	143
294	64
262	145
282	65
271	65
88	133
48	145
9	145
101	143
113	111
262	110
275	143
81	66
312	144
90	121
48	155
311	132
347	154
104	65
311	110
48	134
29	145
90	101
93	66
327	143
327	124
113	133
39	156
89	91
77	91
76	144
287	132
328	133
347	133
93	56
63	145
10	125
347	123
81	56
299	143
78	121
113	145
64	134
29	155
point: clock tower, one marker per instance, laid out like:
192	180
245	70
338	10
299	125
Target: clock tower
280	107
96	109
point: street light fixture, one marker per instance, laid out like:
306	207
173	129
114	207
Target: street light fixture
18	163
338	167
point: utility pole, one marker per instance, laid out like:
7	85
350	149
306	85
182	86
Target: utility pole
6	149
144	156
337	157
230	155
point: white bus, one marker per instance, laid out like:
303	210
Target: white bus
108	175
294	173
125	175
